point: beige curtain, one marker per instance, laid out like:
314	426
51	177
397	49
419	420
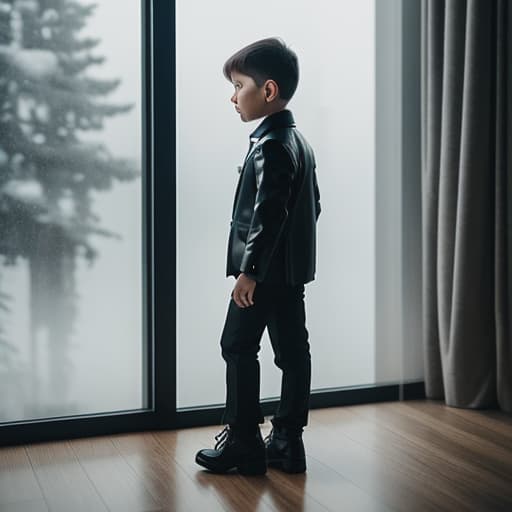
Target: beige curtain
467	201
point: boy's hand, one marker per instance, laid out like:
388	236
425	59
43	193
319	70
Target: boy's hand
243	291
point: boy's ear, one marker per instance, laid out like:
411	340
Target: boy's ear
271	90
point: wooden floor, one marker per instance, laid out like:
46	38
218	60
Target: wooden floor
403	456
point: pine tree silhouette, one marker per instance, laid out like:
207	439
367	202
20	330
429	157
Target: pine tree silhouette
47	173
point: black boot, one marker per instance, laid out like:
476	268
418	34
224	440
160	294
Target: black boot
285	449
235	448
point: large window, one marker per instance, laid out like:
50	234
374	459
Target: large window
113	295
71	220
335	109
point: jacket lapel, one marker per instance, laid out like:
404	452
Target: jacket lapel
282	118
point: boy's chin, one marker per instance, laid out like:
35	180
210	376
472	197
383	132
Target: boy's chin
246	119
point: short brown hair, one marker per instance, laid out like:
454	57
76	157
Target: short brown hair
266	59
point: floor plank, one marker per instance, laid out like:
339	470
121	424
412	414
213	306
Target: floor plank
63	481
115	478
19	488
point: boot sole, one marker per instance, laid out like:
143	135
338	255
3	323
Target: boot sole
288	466
249	467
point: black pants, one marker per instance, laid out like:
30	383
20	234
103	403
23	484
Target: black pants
281	309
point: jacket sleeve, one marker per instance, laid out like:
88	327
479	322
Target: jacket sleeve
318	206
275	172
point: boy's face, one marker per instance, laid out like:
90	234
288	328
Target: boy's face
249	99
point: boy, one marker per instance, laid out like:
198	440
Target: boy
272	254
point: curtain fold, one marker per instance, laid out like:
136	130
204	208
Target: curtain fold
466	192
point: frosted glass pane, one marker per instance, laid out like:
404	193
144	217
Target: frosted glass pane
334	108
70	209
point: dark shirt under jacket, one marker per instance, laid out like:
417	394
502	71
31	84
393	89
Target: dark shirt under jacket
277	203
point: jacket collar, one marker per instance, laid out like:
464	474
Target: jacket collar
279	119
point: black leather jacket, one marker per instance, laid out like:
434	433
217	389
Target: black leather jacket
276	206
